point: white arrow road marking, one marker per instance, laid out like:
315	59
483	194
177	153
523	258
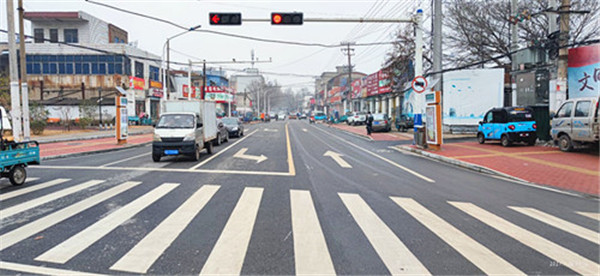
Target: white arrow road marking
270	130
337	157
241	154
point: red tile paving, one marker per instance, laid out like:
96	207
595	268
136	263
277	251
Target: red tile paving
577	171
78	146
377	136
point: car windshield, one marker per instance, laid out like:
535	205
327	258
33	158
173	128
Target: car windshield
230	121
520	116
176	121
319	114
379	117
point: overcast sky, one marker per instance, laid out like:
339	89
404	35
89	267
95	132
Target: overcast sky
151	35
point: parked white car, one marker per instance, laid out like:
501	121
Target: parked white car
356	118
576	123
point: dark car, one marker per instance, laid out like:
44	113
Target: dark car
234	126
381	122
302	116
404	123
508	124
222	133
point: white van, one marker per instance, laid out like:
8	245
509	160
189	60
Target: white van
576	123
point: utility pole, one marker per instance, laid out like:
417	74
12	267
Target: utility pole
24	90
563	52
189	80
349	52
203	79
167	92
14	74
513	47
437	42
100	108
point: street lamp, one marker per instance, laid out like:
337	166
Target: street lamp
166	72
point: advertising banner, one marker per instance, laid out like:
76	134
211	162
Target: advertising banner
136	83
584	71
431	124
195	91
156	84
372	84
384	82
356	88
219	97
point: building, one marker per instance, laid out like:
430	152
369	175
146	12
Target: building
244	85
333	91
75	56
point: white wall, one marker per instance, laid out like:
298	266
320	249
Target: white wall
71	112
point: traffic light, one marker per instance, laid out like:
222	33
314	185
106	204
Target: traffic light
283	18
224	18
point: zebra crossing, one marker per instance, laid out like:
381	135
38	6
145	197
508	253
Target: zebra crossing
312	245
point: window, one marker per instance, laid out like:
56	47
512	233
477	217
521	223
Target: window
38	35
54	35
565	110
488	117
71	36
499	117
582	109
139	69
154	73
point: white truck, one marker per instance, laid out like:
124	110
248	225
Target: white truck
577	123
184	128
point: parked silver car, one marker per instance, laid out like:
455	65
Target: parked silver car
381	122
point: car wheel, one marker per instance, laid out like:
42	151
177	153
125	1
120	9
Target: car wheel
242	133
480	138
209	147
17	175
564	143
156	157
505	141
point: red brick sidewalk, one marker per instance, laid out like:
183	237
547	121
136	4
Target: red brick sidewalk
377	136
79	146
577	171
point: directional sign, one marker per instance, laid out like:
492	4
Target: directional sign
419	84
337	157
242	154
225	18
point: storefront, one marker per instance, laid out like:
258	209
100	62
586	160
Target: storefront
136	98
155	94
224	98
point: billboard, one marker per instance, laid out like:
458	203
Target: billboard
584	71
468	94
372	84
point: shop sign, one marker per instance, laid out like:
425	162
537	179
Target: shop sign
335	99
220	97
156	84
356	88
195	91
372	84
157	93
334	91
584	71
136	83
384	82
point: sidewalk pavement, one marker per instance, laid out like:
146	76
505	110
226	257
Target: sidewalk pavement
376	136
78	134
574	171
85	146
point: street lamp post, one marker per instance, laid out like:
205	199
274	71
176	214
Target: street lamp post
167	47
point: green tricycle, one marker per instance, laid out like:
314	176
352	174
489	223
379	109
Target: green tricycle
14	157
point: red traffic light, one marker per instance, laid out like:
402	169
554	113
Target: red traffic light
223	18
282	18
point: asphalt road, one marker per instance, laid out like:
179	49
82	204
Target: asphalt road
302	210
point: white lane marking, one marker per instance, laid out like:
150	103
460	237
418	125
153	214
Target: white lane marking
50	220
30	269
82	240
227	256
242	154
47	198
305	130
126	159
384	159
554	251
595	216
148	250
559	223
473	251
337	157
310	249
222	151
30	189
395	255
270	130
165	170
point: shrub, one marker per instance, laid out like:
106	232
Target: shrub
38	115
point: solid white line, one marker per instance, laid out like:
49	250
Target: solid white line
473	251
30	269
82	240
595	216
148	250
126	159
554	251
47	198
50	220
384	159
222	151
30	189
395	255
164	170
559	223
227	256
310	249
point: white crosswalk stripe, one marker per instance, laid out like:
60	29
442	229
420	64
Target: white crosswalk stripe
146	252
394	254
554	251
47	198
310	249
26	190
79	242
52	219
227	256
595	216
559	223
476	253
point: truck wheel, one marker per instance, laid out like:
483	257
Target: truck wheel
196	155
155	157
480	138
564	143
17	175
505	141
218	141
209	147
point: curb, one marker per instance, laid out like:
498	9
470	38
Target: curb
75	154
485	170
107	135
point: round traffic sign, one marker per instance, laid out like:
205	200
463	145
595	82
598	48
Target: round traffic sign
419	84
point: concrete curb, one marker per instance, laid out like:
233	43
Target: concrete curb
75	154
75	138
486	170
